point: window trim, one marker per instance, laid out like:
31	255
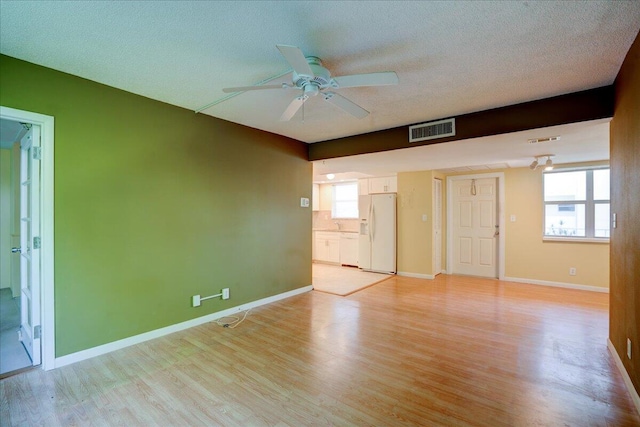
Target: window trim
589	204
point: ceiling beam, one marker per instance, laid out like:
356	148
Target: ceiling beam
574	107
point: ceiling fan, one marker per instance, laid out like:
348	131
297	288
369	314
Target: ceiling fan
312	78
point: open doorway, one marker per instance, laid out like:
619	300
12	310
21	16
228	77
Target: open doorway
26	249
15	303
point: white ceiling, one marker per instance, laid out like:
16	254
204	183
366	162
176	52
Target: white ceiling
451	57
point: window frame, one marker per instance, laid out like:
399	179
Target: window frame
589	205
334	199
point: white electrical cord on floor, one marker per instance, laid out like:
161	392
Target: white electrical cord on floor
231	321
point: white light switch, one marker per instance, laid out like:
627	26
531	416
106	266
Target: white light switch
513	218
424	217
304	202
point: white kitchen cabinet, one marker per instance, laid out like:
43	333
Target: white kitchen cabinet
327	245
315	197
349	249
363	187
383	184
326	197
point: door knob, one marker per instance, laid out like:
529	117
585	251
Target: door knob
16	250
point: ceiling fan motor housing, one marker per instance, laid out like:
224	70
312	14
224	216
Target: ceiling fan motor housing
321	78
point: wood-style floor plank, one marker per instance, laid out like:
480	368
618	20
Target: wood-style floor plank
454	351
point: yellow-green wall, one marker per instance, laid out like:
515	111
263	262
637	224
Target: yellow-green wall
415	193
154	204
527	257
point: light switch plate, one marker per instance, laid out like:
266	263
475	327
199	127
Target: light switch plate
304	202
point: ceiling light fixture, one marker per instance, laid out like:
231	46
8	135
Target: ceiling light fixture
548	165
330	176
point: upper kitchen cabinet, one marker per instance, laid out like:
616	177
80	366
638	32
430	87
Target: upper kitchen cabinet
383	184
315	197
363	187
326	196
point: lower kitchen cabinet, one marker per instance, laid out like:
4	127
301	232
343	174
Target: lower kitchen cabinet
327	247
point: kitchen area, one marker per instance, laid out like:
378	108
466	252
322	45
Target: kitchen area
335	240
345	220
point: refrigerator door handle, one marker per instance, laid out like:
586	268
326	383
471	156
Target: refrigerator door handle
373	223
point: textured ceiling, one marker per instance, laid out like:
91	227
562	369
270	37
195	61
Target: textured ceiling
451	57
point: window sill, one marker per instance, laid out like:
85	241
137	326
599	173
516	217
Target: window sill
574	239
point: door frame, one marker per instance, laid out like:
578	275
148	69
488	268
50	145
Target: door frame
500	214
434	214
47	304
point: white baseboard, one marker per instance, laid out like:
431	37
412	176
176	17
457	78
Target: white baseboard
625	375
416	275
137	339
557	284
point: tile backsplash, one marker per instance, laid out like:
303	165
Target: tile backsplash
322	221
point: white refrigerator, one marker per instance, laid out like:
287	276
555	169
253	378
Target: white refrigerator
377	238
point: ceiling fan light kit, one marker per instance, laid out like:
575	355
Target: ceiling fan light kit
310	76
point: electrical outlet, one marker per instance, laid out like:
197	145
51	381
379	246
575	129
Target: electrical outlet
225	293
629	348
572	271
195	301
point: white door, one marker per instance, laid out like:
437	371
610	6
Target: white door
475	227
30	243
437	226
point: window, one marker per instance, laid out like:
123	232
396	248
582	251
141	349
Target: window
345	200
576	204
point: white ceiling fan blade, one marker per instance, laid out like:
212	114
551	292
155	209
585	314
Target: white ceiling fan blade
293	108
246	88
296	59
346	105
370	79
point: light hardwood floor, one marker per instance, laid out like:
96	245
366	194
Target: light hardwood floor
453	351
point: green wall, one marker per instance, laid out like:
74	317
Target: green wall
154	203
